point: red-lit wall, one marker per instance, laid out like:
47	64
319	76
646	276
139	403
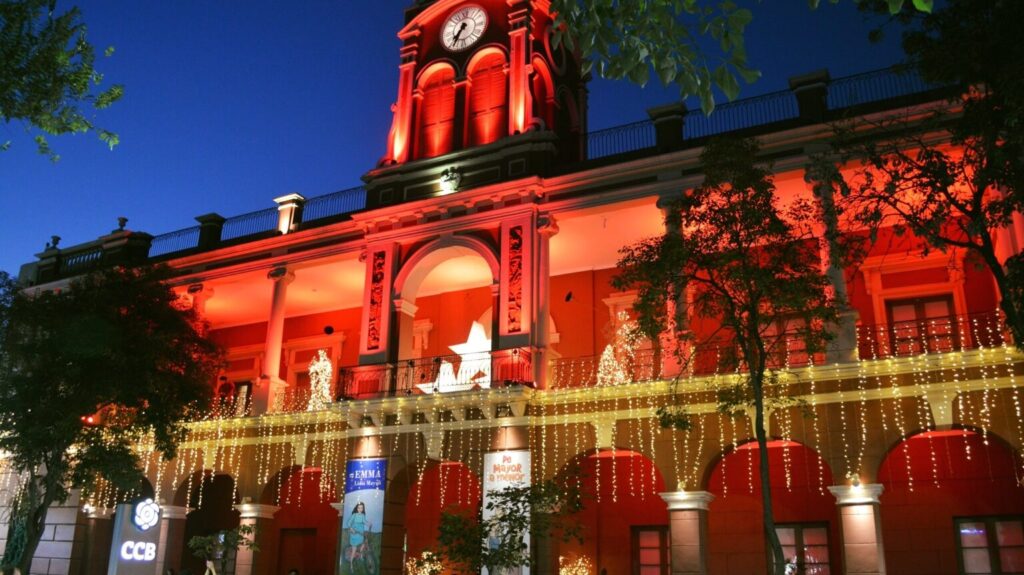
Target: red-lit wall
445	486
917	516
735	531
305	529
628	497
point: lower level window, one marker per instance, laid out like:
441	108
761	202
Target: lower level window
805	546
650	550
990	544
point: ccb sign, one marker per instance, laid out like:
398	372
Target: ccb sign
134	548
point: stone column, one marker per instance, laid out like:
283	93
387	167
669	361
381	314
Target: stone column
172	538
271	385
861	528
246	561
546	228
688	531
99	534
843	349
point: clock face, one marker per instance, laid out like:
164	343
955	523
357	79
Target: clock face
463	28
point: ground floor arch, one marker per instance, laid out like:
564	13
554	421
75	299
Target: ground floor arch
804	510
952	499
622	511
447	486
212	498
303	533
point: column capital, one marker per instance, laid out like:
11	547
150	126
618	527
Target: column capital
281	275
547	225
687	500
406	307
865	494
256	510
339	507
174	511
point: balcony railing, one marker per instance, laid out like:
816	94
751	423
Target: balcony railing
900	339
452	373
440	374
173	242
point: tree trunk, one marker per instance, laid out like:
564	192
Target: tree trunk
778	566
1009	306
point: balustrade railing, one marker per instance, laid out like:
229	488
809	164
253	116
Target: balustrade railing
173	242
334	204
249	224
620	139
874	86
741	114
79	262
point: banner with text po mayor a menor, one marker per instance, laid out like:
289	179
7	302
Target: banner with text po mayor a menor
504	469
363	520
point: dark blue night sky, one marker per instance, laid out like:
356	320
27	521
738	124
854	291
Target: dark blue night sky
230	103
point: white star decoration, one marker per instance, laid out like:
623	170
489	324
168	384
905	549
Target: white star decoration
474	369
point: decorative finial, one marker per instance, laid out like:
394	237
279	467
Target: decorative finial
121	223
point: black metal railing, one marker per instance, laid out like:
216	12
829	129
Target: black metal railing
440	374
249	224
875	86
176	241
763	110
334	204
620	139
741	114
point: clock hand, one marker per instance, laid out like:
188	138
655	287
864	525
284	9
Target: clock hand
462	29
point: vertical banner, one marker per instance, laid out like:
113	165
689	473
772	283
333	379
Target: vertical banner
363	519
505	469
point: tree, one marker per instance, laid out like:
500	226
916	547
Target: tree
630	40
88	373
733	255
954	179
472	542
218	548
48	79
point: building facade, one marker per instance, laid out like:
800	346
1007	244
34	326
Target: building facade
455	311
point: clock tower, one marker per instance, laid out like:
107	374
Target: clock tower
483	97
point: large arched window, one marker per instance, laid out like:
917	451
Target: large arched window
437	112
488	98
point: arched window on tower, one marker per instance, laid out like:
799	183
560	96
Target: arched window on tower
543	94
436	111
488	98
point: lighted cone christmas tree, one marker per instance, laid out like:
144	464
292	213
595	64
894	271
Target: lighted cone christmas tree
320	374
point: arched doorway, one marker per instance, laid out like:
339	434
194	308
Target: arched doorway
304	531
446	486
805	512
211	496
952	498
624	521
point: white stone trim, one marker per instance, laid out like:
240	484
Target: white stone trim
688	500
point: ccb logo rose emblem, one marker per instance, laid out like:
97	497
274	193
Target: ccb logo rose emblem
147	514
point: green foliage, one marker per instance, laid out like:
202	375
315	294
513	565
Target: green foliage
698	45
957	178
469	542
114	345
734	256
221	546
47	76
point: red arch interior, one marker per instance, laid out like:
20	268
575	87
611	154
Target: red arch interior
736	543
305	529
446	486
920	498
